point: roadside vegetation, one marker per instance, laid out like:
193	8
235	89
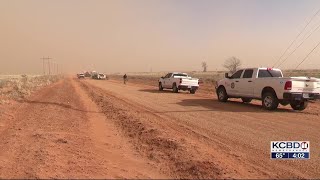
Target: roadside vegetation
16	87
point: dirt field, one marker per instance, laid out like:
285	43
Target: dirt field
104	129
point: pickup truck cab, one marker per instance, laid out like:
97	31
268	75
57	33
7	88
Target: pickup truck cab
269	85
179	81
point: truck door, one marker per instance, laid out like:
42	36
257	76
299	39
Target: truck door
246	84
232	86
166	80
169	81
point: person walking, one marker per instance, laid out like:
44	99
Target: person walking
125	78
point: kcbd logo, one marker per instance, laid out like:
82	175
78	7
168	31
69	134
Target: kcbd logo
290	145
290	150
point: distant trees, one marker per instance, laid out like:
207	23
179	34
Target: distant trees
232	64
204	66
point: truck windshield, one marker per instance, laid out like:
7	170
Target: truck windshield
184	75
269	73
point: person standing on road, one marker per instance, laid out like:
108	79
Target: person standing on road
125	78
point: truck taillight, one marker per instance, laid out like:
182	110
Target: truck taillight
180	80
288	85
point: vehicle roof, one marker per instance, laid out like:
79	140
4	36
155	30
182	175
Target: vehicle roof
261	68
178	73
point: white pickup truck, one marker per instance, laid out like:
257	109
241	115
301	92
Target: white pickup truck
179	81
269	85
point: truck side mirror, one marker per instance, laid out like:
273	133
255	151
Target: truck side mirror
226	75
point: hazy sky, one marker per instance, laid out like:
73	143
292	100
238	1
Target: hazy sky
165	35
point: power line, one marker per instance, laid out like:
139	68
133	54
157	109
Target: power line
296	38
284	60
306	57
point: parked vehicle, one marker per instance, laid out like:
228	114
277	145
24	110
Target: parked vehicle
94	75
98	76
87	74
102	76
270	86
179	81
80	75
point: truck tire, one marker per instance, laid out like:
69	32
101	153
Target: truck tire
270	101
299	105
222	94
175	88
192	91
160	86
246	100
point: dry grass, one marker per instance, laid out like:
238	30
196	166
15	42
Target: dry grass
308	73
15	87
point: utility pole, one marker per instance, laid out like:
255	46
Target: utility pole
43	64
54	67
49	65
43	67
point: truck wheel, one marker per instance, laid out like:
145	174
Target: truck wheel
270	101
175	88
160	87
222	94
246	100
298	105
192	91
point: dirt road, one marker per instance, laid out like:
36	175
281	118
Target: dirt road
214	139
94	129
60	133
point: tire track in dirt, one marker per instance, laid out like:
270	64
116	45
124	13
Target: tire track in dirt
170	148
44	134
235	135
53	134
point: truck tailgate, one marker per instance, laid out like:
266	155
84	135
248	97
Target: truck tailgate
306	85
189	82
